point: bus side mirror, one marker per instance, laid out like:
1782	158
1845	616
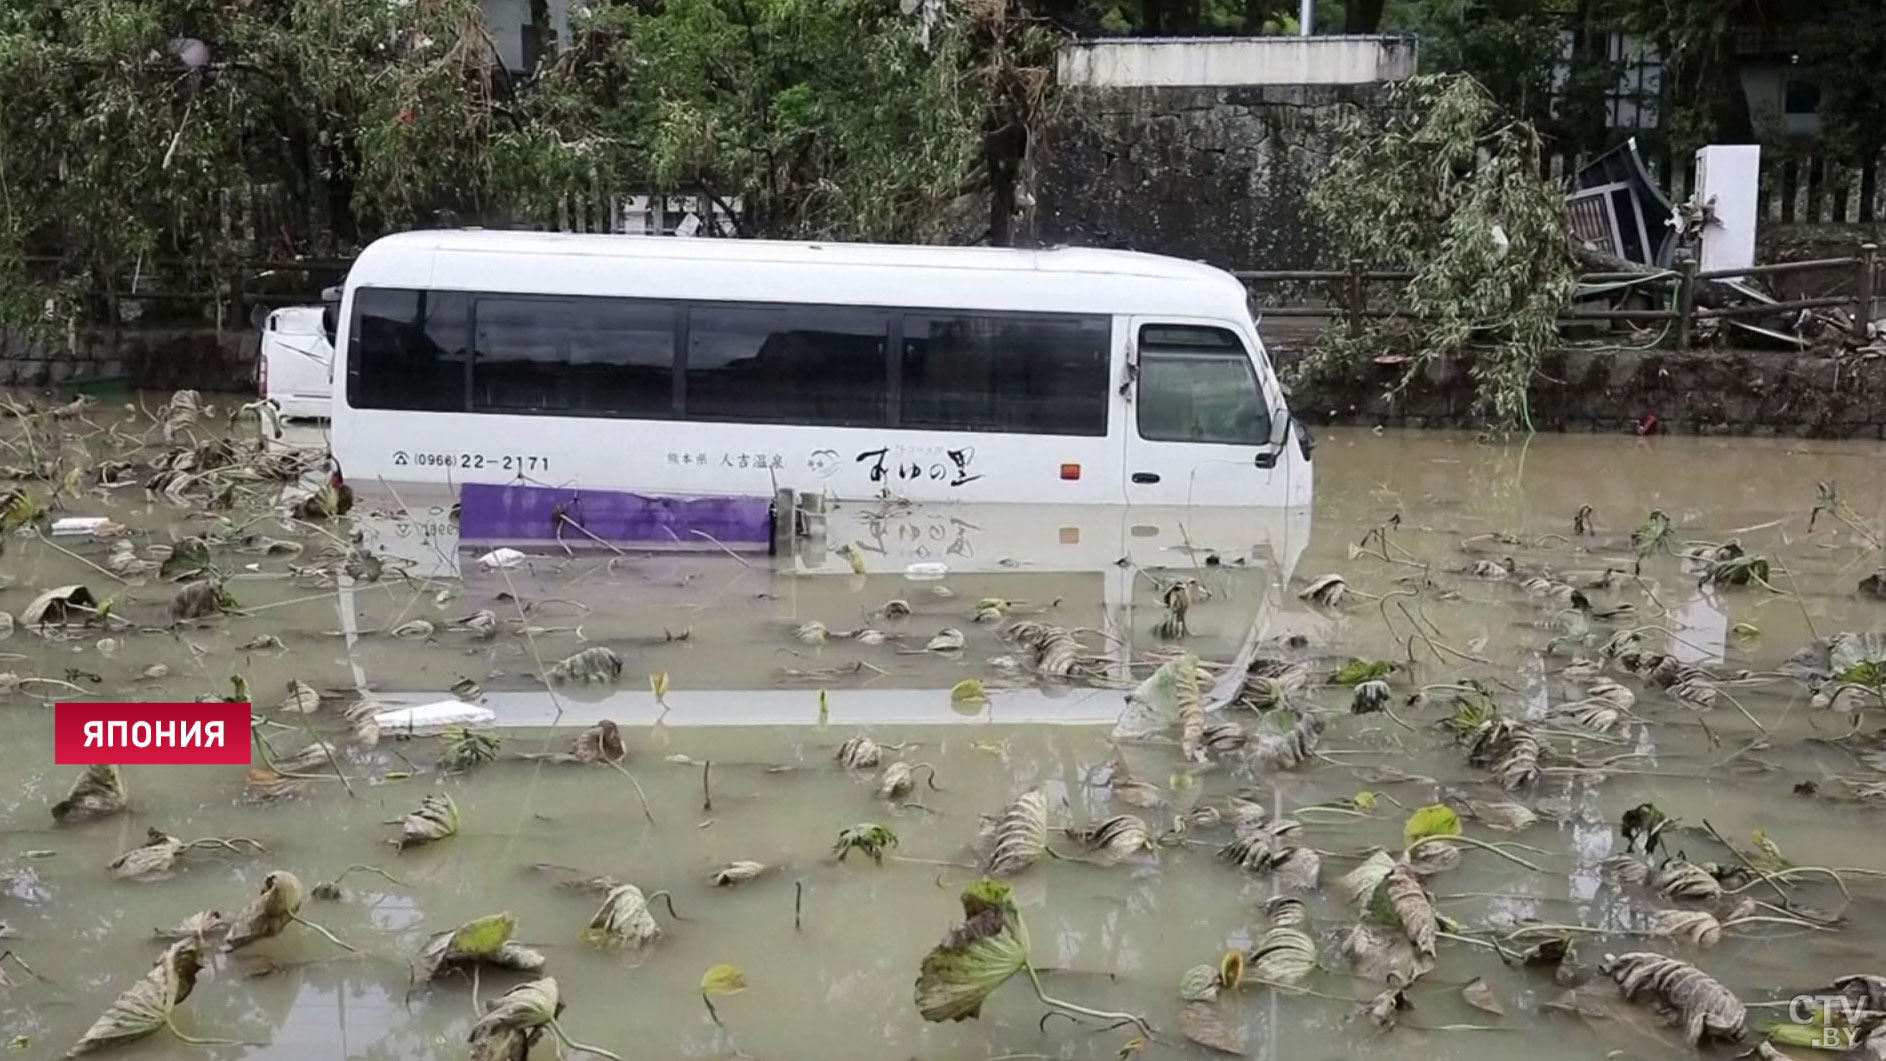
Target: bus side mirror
1305	441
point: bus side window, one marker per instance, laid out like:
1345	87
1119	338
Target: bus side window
407	350
1197	384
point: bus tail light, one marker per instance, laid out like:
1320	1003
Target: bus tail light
1070	471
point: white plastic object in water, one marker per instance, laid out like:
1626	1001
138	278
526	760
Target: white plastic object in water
500	558
429	719
926	571
73	525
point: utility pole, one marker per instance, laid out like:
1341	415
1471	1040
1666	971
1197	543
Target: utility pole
1306	17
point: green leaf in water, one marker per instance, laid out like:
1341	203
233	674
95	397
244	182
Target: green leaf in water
968	691
1357	671
1745	631
975	958
1435	819
485	935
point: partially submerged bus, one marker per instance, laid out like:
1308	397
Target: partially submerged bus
589	388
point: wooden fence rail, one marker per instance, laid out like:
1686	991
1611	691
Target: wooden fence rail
1682	282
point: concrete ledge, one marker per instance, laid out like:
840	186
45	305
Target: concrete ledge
1208	62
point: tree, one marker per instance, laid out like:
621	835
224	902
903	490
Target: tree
1440	180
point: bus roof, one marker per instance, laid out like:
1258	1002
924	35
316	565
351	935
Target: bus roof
1084	275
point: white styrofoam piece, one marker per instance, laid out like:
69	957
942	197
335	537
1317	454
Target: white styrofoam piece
71	525
500	558
427	719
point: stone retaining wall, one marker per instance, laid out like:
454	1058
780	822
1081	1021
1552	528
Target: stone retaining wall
154	358
1725	392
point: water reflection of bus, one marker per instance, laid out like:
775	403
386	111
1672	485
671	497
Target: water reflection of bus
724	627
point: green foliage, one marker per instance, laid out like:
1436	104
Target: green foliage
1438	180
1435	819
839	119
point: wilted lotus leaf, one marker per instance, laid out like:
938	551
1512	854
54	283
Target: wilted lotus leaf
301	699
1161	701
461	748
1402	900
203	924
514	1021
1480	996
1296	868
1679	879
1285	954
1697	927
1328	590
1118	837
148	1004
1369	696
859	753
600	664
1224	737
313	757
1435	819
867	837
1359	884
1199	984
600	743
188	556
736	872
265	786
949	639
1204	1023
480	941
157	854
1386	958
199	599
435	818
1507	748
269	912
1292	747
1702	1006
624	919
1432	858
1056	652
975	958
60	606
482	624
98	793
412	629
900	777
1504	817
1020	835
1625	869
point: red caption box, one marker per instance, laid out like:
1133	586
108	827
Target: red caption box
151	734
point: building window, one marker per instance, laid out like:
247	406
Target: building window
1197	385
822	365
1025	374
1800	97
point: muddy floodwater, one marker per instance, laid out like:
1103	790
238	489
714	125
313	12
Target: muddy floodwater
1545	676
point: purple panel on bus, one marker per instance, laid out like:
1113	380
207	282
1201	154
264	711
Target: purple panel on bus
504	513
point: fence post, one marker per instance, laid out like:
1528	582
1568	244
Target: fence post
1863	302
1355	297
1685	296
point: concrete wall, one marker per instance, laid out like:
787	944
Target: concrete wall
1224	62
155	358
1202	149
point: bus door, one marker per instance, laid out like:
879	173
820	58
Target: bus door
1203	428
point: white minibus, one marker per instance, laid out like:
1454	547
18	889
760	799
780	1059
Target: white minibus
738	368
